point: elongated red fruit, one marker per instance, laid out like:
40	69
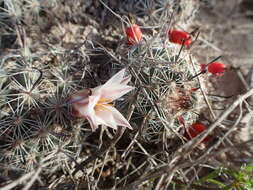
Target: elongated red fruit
215	68
180	37
134	34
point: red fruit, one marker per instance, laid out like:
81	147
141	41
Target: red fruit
134	34
216	68
194	130
180	37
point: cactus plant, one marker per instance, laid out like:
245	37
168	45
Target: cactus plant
50	68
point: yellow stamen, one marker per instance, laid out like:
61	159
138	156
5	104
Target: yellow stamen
102	103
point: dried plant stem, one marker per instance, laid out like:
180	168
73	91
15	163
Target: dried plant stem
194	186
211	45
204	94
146	153
128	149
159	183
131	173
171	169
240	75
228	148
188	147
19	181
115	14
102	167
206	155
102	150
35	176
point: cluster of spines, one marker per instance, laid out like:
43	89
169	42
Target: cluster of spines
35	119
160	74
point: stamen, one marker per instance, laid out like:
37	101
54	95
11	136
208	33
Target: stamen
102	103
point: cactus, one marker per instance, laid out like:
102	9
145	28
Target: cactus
36	82
165	88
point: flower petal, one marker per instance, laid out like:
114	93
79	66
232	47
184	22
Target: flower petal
93	104
117	78
114	88
126	80
92	121
87	111
111	117
79	96
115	92
106	118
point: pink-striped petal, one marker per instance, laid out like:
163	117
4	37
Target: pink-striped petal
112	117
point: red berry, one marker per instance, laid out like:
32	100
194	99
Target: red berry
194	130
180	37
134	34
216	68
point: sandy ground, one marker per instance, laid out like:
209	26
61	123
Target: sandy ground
230	31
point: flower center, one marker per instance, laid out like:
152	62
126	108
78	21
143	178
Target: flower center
102	103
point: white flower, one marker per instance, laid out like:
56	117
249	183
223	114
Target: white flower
95	104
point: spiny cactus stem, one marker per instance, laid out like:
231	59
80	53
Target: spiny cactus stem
134	140
38	80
